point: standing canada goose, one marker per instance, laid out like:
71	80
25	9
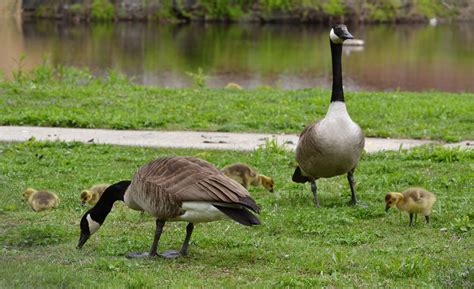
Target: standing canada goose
175	189
332	145
92	195
40	200
246	175
412	200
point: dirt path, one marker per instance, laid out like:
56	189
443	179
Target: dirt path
186	139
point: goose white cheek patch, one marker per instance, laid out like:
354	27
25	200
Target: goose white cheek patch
93	225
334	37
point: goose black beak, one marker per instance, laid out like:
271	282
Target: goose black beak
82	240
346	35
386	208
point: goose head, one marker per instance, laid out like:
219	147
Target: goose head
95	217
88	227
392	199
339	33
86	196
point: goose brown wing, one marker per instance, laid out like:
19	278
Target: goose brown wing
184	179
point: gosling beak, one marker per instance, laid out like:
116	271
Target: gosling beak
82	240
271	190
386	208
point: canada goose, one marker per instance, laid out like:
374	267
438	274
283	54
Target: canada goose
332	145
40	200
92	195
175	189
412	200
246	175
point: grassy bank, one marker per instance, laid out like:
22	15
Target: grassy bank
67	97
297	245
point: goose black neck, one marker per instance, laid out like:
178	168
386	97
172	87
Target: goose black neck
112	194
337	90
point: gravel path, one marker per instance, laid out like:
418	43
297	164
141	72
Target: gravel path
186	139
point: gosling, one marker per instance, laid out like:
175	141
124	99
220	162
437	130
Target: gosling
412	200
92	195
246	175
40	200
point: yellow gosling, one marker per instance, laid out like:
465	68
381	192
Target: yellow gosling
40	200
412	200
92	195
246	175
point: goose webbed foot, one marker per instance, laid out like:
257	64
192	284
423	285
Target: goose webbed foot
170	254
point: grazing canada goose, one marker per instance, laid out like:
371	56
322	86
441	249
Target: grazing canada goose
246	175
40	200
412	200
175	189
332	145
92	195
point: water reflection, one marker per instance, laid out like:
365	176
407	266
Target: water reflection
404	57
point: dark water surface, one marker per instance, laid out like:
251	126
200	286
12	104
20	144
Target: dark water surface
405	57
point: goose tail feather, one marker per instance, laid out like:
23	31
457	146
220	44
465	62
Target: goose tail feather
298	176
240	215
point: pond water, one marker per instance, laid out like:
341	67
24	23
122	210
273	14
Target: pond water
405	57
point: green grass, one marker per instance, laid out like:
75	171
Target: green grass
67	97
296	245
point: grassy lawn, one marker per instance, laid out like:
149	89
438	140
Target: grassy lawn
74	98
296	245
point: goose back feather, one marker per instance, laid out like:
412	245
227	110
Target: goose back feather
163	185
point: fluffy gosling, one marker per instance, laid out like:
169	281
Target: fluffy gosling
40	200
246	175
412	200
92	195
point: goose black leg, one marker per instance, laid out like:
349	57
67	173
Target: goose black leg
314	189
170	254
411	219
350	178
159	229
189	231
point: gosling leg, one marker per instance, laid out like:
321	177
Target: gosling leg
350	178
314	189
411	219
427	219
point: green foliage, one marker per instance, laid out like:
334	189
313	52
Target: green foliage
383	11
77	9
273	5
102	10
296	246
334	7
223	9
431	8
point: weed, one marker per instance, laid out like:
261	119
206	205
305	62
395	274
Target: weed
199	78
